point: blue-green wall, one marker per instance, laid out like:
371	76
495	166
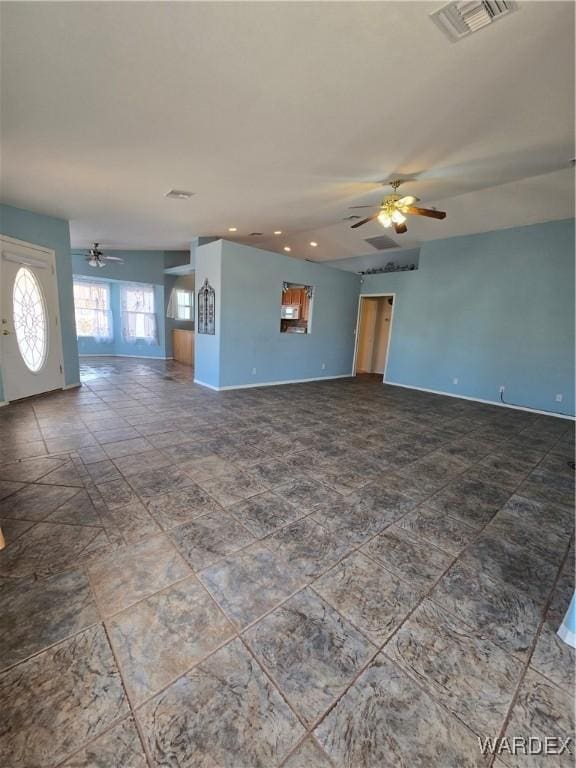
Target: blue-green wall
207	349
248	283
490	309
54	234
137	267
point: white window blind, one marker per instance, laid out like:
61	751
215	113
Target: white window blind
92	309
138	315
184	304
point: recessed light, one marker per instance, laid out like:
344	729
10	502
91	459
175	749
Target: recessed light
313	244
277	231
287	248
179	194
232	229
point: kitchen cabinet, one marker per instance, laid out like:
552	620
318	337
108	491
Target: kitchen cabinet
183	346
299	297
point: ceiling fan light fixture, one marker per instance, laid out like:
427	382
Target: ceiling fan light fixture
93	261
398	218
385	219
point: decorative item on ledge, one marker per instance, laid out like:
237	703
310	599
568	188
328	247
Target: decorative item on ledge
206	309
391	266
308	289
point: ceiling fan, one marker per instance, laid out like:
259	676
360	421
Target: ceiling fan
393	208
96	258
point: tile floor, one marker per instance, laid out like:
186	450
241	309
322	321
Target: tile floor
331	574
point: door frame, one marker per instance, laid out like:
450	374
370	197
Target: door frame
357	334
51	254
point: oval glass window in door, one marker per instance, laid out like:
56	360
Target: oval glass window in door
30	321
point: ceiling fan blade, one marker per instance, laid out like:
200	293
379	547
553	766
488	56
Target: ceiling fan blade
113	258
426	212
399	228
363	206
408	200
364	221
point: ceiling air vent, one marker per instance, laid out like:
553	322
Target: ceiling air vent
381	242
179	194
461	18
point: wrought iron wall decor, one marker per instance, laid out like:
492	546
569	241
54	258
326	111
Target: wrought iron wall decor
206	309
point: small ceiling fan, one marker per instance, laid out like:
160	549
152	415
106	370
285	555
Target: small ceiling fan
96	258
393	208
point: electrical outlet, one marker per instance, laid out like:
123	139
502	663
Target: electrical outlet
454	381
559	398
253	371
323	366
502	389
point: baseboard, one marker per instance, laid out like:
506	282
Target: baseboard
480	400
4	402
72	386
140	357
208	386
271	383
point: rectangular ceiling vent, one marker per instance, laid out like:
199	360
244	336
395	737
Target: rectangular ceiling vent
381	242
462	18
179	194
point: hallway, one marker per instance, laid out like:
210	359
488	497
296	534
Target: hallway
338	573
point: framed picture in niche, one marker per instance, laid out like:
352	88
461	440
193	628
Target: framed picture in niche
206	309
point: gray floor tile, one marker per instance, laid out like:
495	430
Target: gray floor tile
163	636
372	598
164	480
508	616
224	712
307	547
554	658
126	447
250	583
120	747
458	666
265	513
412	559
44	613
137	463
472	501
541	710
45	549
351	519
445	532
386	720
41	730
308	755
306	494
231	488
172	509
557	519
209	538
35	502
310	651
512	565
133	572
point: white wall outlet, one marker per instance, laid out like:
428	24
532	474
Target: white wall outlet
502	389
455	381
253	371
323	366
559	398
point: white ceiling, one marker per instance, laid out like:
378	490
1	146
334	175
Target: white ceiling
280	116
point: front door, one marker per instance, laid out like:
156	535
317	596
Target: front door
30	339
